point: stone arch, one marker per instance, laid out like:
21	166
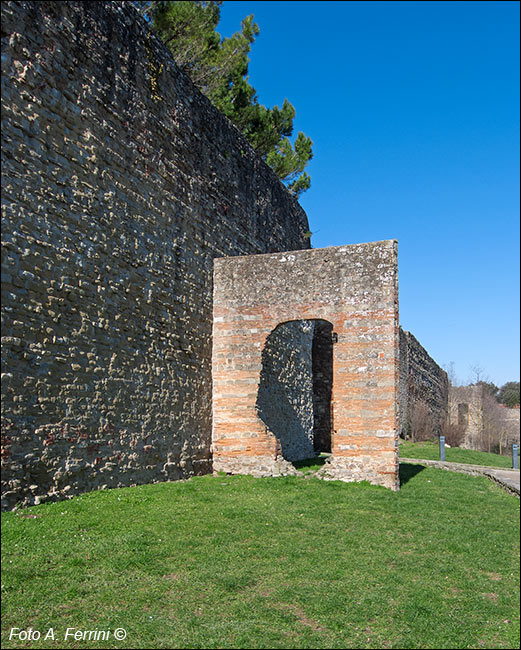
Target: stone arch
294	393
355	289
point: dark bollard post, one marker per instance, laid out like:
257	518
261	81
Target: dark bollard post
515	456
442	448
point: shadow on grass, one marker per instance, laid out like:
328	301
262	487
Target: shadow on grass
312	463
409	471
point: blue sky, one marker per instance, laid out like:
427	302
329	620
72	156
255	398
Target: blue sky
413	108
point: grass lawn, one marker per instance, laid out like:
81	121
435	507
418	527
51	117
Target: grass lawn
295	562
431	451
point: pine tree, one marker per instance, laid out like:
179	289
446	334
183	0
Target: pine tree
219	68
509	394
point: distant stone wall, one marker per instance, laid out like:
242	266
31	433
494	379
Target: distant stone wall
422	382
403	393
513	416
484	420
466	410
121	183
512	421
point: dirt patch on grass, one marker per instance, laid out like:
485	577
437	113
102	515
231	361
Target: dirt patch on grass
490	596
302	617
266	593
494	576
29	516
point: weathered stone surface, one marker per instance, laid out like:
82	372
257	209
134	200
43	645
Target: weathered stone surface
120	185
285	390
422	381
355	289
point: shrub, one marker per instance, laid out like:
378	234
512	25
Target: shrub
454	433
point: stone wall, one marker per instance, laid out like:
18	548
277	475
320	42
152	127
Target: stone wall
296	378
322	366
354	288
512	418
285	395
487	424
511	421
121	183
466	410
422	384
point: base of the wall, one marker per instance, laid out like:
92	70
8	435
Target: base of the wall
383	473
83	478
351	470
254	465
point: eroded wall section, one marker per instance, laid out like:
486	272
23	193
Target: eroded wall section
355	289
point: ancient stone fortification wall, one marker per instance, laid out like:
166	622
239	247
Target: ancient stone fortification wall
422	381
121	184
512	416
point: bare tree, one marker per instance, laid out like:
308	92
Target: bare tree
451	373
454	433
478	373
421	422
496	432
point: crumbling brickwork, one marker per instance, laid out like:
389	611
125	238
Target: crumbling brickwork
355	289
120	184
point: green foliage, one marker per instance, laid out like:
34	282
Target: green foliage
238	562
491	388
509	394
219	68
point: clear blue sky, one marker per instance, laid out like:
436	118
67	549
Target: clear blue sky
413	108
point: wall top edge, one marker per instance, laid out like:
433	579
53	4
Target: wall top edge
391	244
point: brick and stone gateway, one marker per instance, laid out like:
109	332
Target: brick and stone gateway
355	289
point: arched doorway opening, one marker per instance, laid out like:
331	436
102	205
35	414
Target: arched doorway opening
296	380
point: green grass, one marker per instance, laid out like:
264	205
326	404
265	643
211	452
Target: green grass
431	451
238	562
310	465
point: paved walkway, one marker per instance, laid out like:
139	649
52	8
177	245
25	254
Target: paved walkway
507	478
